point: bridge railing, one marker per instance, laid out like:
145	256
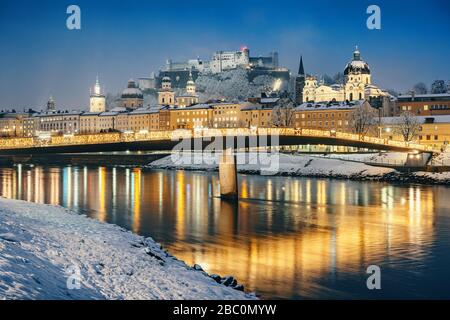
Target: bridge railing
116	137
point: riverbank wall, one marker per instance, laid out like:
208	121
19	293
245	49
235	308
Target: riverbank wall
105	159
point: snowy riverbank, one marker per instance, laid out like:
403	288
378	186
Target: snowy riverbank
45	250
302	165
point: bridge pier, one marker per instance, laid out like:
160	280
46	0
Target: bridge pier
228	175
417	159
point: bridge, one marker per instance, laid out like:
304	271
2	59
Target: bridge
167	140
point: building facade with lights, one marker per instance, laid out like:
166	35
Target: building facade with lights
434	130
326	116
424	104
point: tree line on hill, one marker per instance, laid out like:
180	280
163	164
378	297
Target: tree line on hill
438	86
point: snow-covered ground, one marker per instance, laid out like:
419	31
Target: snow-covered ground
47	252
437	176
306	166
393	158
384	157
442	159
301	165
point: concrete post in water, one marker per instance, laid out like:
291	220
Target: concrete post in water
228	175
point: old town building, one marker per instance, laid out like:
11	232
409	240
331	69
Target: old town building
424	104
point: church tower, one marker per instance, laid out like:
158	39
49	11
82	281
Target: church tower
190	85
300	83
51	104
166	96
97	101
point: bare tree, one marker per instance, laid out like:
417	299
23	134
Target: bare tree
420	88
407	126
283	113
362	119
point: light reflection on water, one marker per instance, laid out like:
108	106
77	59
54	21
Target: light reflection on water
286	238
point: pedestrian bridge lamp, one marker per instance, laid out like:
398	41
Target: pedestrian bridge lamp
376	103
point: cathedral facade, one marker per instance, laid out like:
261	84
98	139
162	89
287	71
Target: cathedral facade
357	84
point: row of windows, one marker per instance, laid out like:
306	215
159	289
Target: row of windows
339	123
226	119
57	125
193	112
193	120
223	112
319	115
428	137
439	107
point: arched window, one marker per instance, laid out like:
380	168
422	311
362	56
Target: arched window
351	96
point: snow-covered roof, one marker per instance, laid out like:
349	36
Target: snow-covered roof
269	100
90	114
226	103
425	97
256	107
108	113
420	119
198	106
311	106
428	95
59	114
119	109
144	110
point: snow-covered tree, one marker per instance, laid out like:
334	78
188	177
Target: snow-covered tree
392	92
407	126
362	119
283	113
232	85
339	78
420	88
438	86
327	80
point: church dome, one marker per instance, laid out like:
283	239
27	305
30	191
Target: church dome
166	79
357	65
132	91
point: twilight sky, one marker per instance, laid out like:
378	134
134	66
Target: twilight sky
39	56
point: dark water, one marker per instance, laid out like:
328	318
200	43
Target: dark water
286	238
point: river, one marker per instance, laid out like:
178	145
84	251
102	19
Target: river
287	237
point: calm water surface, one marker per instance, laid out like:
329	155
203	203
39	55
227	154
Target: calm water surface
286	238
